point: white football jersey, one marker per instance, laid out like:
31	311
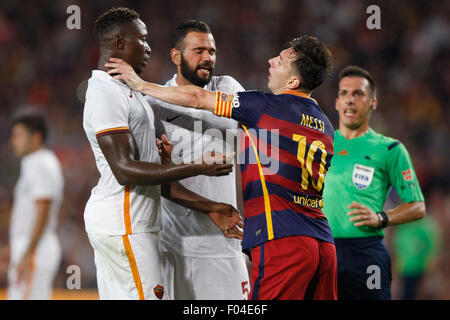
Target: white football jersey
193	132
40	178
113	209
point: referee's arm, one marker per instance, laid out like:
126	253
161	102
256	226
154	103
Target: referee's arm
406	212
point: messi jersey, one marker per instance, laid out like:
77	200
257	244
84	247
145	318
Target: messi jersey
285	151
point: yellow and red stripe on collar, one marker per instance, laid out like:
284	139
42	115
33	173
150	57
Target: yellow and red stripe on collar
112	131
224	104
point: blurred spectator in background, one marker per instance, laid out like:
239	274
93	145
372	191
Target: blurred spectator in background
34	252
415	248
45	66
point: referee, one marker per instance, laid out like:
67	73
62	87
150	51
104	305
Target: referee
365	166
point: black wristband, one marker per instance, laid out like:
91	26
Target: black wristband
384	219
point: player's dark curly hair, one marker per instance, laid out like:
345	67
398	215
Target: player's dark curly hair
355	71
314	62
184	28
111	18
32	120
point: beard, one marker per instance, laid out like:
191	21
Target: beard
191	74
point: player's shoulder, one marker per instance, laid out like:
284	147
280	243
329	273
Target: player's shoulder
102	85
43	160
385	142
46	155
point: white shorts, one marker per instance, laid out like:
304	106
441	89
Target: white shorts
192	278
37	285
129	267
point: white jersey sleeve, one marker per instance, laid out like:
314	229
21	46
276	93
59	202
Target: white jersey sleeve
42	181
107	110
229	84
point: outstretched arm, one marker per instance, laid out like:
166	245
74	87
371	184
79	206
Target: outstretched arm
189	96
119	152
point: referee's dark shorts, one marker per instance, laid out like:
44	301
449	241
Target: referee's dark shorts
363	269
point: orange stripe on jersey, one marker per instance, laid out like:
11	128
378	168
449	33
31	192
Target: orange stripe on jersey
112	131
300	94
133	266
126	210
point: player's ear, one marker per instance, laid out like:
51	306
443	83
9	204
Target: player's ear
37	139
175	55
294	82
374	104
119	41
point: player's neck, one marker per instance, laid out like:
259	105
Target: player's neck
287	89
101	62
349	133
182	81
104	58
33	148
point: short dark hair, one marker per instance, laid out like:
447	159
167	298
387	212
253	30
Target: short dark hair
184	28
34	122
111	18
355	71
314	62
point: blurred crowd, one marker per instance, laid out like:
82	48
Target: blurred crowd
45	66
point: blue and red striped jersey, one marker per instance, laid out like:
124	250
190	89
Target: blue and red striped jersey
285	151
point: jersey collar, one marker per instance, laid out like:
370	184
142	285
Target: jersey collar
299	94
100	74
368	133
172	82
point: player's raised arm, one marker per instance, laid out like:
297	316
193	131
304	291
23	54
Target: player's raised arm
188	96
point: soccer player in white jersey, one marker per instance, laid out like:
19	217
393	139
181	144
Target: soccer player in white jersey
199	262
34	252
122	216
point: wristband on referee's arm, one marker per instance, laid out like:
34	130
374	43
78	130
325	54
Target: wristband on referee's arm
384	219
